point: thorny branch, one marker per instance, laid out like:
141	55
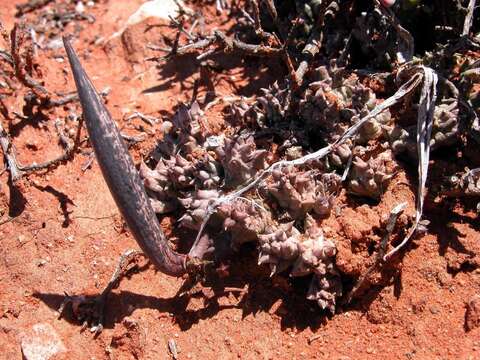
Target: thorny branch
228	45
20	59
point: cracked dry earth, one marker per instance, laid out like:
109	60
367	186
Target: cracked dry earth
67	236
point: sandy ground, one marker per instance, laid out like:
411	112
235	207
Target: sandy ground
67	236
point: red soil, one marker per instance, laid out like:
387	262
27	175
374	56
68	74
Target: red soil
67	236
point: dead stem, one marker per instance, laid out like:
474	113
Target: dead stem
226	44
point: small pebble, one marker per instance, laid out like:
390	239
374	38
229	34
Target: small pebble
80	8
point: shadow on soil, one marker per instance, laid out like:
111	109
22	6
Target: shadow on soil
253	292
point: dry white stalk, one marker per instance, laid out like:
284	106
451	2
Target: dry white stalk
426	110
468	18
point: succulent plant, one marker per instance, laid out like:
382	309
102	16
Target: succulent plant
180	171
244	219
268	110
300	192
337	101
241	159
370	178
271	105
207	172
465	183
445	124
186	132
176	174
197	206
326	288
444	130
157	185
306	253
340	156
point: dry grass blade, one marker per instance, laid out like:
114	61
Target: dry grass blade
426	109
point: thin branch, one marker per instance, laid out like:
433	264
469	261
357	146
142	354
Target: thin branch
148	119
227	44
134	139
18	37
6	145
65	156
247	49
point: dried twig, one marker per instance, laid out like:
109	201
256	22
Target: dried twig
22	65
65	156
17	170
247	49
12	165
150	120
256	20
93	310
134	139
172	347
226	44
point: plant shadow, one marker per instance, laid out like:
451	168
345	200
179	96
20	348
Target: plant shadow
254	292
